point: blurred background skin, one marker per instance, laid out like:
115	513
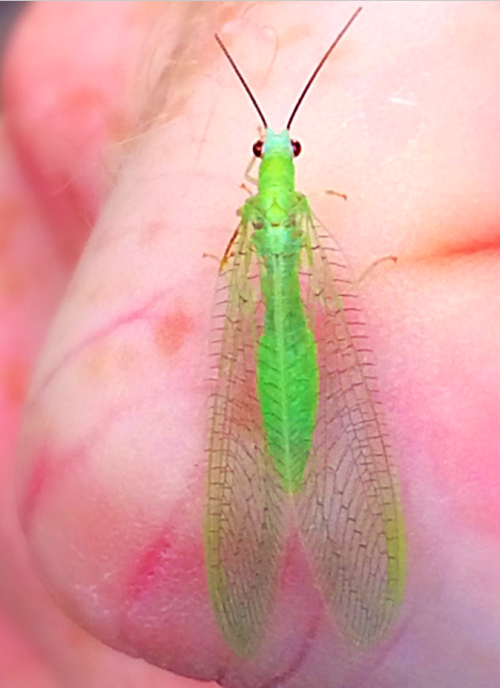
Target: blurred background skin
61	102
125	116
9	15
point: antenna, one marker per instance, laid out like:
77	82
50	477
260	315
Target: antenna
240	77
306	87
321	63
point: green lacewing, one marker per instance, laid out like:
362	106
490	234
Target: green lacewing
296	433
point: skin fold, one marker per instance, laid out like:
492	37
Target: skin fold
125	138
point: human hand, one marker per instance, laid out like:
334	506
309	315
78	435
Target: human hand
147	131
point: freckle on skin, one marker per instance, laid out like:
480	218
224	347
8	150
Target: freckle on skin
106	359
171	331
152	232
293	35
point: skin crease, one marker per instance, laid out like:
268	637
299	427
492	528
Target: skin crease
109	492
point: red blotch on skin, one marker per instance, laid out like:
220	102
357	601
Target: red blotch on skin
168	565
469	471
70	208
48	468
171	331
14	275
11	214
14	381
86	105
40	475
150	564
12	282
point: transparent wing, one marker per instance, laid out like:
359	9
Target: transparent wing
349	507
244	504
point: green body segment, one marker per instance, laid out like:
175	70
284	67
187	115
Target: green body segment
295	426
287	370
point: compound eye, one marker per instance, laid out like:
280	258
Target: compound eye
296	148
257	148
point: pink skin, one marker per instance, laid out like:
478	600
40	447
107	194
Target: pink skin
127	116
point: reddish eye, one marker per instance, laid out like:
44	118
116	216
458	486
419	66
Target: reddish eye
257	148
296	148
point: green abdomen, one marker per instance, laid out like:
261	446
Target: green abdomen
287	372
